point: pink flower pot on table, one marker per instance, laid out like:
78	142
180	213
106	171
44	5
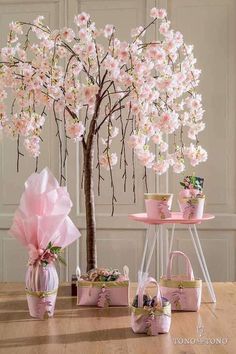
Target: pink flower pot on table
158	205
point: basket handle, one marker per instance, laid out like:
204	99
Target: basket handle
142	290
188	266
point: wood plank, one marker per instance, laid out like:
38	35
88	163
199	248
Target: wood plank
107	331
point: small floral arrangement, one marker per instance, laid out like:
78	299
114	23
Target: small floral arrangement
150	302
193	183
101	274
46	256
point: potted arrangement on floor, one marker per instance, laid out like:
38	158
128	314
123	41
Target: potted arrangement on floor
148	88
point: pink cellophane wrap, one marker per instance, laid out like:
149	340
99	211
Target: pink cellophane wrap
151	321
183	291
102	294
42	216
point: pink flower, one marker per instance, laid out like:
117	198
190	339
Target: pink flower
146	158
160	167
158	13
178	166
32	145
164	28
75	130
82	19
136	141
3	94
16	27
108	160
67	34
108	30
135	32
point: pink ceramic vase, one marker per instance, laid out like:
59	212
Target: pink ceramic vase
41	289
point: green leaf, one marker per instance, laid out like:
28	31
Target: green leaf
60	259
55	249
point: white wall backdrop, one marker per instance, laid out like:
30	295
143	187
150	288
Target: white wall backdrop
210	25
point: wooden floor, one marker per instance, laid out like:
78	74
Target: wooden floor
107	331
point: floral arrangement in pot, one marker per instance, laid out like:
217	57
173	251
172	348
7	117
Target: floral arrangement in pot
138	91
42	225
192	198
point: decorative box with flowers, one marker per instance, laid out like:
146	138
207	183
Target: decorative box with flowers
103	287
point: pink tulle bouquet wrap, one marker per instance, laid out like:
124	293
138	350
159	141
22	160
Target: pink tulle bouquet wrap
41	223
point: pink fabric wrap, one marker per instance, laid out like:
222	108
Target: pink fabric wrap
183	291
151	321
102	294
42	216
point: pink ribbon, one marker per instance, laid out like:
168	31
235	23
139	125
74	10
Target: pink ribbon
103	298
164	210
151	322
178	298
189	210
44	306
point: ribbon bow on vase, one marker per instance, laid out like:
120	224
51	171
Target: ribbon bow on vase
189	210
44	308
164	210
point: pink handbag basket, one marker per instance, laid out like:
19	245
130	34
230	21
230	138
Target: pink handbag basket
103	294
148	320
183	291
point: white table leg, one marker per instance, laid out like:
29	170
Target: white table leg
166	250
150	241
151	251
161	250
202	262
172	237
145	247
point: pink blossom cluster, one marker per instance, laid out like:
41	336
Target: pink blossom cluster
154	81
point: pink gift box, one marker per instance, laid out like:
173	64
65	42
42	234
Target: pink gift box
103	294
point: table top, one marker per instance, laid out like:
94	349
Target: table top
176	218
75	329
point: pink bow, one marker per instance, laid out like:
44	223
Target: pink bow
189	210
103	298
151	322
178	299
44	306
164	210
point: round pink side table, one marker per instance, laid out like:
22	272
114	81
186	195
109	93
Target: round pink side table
154	235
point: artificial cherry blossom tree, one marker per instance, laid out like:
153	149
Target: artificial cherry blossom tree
141	91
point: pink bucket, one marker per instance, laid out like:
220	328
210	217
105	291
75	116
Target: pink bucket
158	205
151	320
192	207
41	290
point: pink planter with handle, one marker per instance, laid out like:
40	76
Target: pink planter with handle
151	320
183	291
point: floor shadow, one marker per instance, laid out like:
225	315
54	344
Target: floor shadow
92	336
15	317
84	312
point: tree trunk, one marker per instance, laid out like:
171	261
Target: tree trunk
90	207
